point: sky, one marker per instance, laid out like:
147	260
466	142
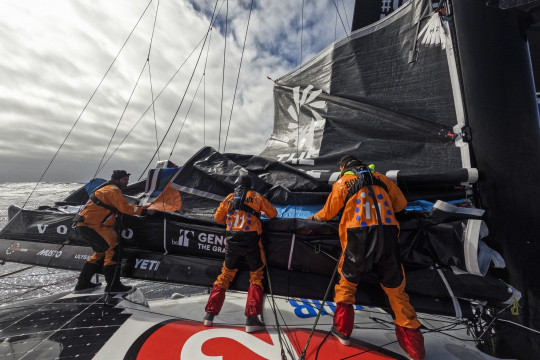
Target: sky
166	87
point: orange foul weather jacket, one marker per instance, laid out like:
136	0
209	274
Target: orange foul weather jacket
239	223
360	210
98	224
360	219
242	221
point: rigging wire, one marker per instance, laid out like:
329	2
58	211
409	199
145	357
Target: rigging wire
121	118
328	289
185	118
204	88
156	98
223	76
150	78
293	342
301	63
183	96
335	28
16	271
83	110
342	23
40	287
345	11
238	76
519	325
279	332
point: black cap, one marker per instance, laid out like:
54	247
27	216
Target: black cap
349	160
118	174
244	181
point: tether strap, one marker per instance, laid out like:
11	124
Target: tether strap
359	184
101	203
78	218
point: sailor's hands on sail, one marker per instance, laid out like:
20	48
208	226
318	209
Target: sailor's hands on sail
149	210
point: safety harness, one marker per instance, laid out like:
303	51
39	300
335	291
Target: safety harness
238	202
94	198
366	179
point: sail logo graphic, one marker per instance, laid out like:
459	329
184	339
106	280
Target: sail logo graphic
304	133
184	237
434	32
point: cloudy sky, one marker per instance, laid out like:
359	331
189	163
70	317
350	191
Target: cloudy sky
55	54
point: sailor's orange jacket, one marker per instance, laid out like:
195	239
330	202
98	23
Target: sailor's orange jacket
360	209
241	220
111	195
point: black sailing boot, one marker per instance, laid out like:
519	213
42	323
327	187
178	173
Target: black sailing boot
208	319
84	284
253	323
113	280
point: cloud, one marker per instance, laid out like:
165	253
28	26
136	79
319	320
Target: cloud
56	53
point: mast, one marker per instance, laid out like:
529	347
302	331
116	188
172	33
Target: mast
502	112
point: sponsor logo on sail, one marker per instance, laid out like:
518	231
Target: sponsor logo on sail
50	253
60	229
82	256
212	242
145	264
204	241
304	134
15	247
184	237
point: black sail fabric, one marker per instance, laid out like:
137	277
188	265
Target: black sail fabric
390	104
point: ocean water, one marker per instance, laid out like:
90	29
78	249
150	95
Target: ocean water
23	281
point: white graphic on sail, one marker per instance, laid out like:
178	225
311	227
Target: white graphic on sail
434	32
305	135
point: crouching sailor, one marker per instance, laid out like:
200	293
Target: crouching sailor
97	224
368	233
240	211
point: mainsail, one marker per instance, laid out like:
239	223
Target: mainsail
384	94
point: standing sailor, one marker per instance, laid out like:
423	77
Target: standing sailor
368	233
240	211
97	224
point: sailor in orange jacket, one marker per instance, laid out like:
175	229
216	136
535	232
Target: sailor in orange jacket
368	233
96	222
240	211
